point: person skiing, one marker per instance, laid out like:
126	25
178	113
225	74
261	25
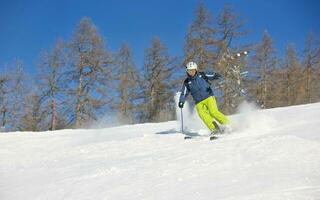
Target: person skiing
197	83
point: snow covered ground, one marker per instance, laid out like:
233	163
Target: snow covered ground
272	154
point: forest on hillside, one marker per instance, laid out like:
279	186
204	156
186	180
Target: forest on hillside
79	79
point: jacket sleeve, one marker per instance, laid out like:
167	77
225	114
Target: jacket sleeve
212	75
184	93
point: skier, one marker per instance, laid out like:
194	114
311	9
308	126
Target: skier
197	83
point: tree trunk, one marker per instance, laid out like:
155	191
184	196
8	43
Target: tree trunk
308	81
3	117
53	116
79	94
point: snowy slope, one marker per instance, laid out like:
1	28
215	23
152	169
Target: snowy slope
273	154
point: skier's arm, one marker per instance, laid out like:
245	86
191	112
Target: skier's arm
212	75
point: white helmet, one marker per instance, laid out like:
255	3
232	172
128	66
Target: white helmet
192	65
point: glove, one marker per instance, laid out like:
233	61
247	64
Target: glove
180	104
217	76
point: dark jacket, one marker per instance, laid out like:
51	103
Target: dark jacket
198	86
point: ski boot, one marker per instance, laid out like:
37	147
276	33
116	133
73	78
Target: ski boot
213	134
218	129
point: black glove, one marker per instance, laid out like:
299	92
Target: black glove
217	76
180	104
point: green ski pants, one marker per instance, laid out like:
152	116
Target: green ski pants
208	111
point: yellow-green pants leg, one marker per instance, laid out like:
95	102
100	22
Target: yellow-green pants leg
208	111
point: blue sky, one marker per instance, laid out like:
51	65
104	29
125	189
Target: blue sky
28	27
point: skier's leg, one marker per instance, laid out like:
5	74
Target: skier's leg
214	111
204	115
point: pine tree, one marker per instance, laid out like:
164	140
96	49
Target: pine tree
52	85
311	54
33	115
4	101
279	87
90	71
265	61
309	80
18	90
127	88
317	74
201	42
295	76
230	28
157	92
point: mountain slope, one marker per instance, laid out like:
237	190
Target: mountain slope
272	154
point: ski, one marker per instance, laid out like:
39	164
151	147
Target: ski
210	137
187	137
220	131
213	137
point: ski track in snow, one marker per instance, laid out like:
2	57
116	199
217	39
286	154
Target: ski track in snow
272	154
